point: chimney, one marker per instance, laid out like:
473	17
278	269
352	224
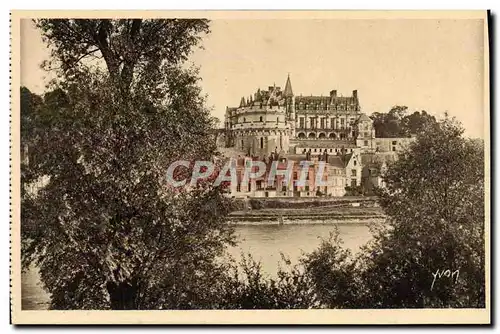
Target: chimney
333	93
355	93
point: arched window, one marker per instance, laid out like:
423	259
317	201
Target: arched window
322	135
332	135
260	118
312	135
302	135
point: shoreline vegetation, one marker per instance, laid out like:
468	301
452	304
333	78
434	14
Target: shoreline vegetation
306	211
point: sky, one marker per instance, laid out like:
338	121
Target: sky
425	64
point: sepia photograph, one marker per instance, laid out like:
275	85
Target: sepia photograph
250	167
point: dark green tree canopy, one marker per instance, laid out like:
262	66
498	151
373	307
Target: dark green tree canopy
397	123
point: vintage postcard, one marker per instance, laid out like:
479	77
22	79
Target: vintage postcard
250	167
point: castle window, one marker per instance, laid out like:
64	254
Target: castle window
260	118
277	119
301	122
366	142
261	142
238	187
244	120
242	143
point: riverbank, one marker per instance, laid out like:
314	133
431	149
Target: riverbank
307	210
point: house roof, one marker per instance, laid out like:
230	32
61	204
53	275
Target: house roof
327	99
336	161
363	117
347	158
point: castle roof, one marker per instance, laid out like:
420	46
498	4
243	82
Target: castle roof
288	88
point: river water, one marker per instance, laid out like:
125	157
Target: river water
263	242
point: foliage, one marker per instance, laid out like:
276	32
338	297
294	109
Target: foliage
354	191
106	231
330	268
249	288
397	123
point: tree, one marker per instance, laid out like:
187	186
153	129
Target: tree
434	197
388	125
417	122
396	123
109	233
434	200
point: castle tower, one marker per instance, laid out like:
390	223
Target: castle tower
365	132
290	104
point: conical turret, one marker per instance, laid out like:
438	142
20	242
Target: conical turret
242	102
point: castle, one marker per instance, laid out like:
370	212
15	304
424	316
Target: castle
280	125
